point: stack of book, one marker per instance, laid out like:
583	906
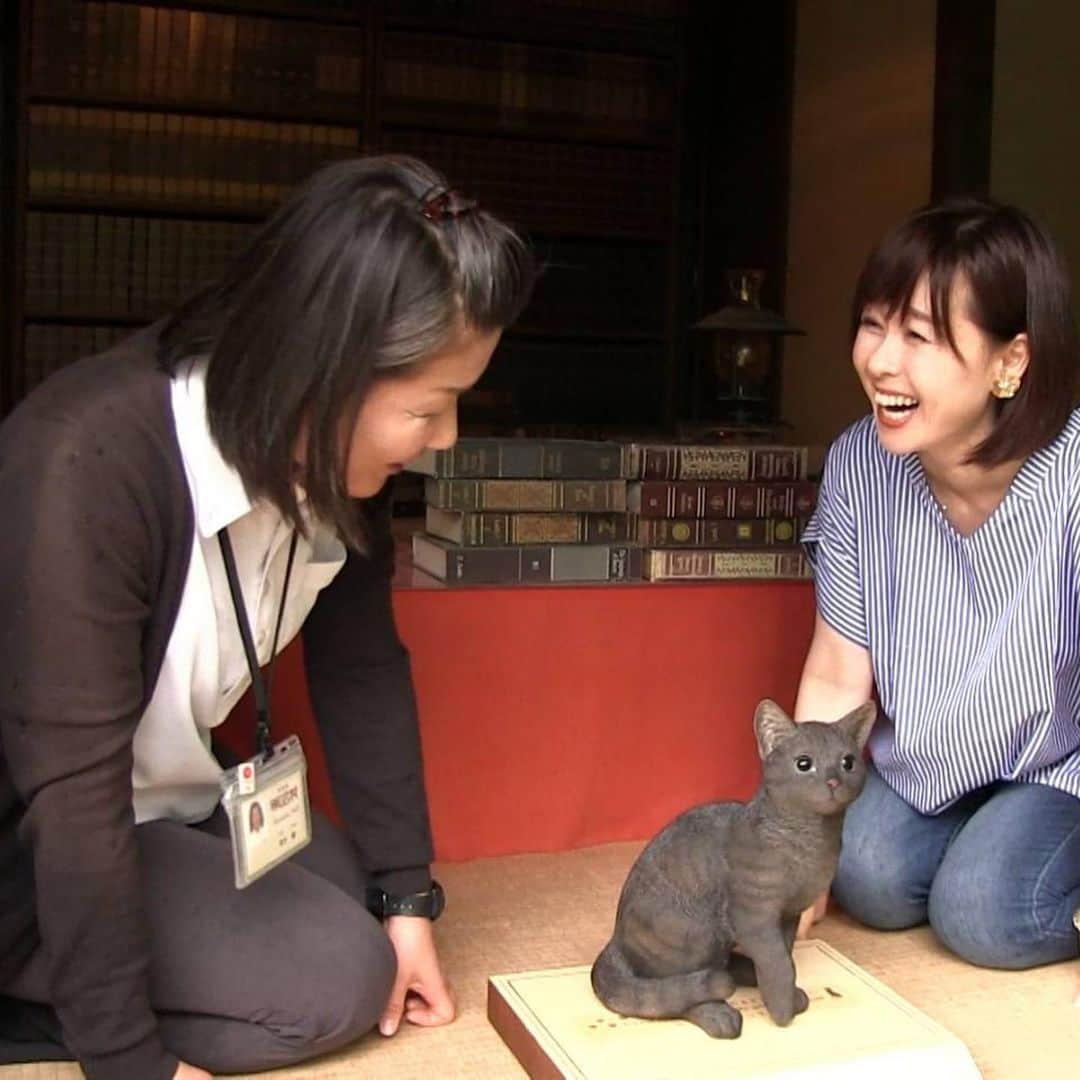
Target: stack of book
523	511
514	510
720	511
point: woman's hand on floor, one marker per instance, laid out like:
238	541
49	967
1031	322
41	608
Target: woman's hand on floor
184	1071
814	913
421	993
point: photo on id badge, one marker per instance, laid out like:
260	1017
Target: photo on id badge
267	806
259	847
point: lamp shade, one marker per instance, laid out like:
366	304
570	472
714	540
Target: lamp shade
742	318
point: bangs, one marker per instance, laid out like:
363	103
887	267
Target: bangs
893	272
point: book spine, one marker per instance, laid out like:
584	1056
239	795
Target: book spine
36	277
682	564
526	564
606	528
555	562
498	566
495	530
727	532
723	462
595	562
537	495
525	459
720	499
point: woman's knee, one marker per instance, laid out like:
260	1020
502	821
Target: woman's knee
887	859
349	978
877	887
991	926
1003	900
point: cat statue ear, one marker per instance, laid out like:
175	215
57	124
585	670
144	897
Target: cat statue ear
858	722
771	726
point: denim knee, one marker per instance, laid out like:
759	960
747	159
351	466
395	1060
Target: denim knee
888	858
994	912
877	888
970	920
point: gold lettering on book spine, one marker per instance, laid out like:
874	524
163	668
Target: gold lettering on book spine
713	463
743	564
545	529
519	495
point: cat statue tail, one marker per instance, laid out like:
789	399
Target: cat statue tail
623	991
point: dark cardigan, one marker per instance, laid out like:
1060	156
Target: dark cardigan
94	553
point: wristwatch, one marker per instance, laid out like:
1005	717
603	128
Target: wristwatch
424	905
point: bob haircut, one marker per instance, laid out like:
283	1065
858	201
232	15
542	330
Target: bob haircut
352	279
1017	284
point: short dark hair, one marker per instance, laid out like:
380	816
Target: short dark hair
1018	285
348	281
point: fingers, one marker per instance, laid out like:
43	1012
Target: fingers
814	913
421	993
184	1071
438	1008
395	1008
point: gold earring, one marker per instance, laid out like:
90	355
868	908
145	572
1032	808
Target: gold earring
1005	386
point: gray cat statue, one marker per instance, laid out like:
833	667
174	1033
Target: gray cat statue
731	872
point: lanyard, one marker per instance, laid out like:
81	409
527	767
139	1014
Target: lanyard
260	686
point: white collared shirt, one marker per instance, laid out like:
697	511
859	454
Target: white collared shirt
204	672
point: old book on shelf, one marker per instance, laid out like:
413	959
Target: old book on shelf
489	529
536	495
721	499
710	564
721	462
529	459
856	1027
525	564
716	533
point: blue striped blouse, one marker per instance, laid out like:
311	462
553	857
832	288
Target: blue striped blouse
975	641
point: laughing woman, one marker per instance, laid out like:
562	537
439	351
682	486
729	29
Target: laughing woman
946	549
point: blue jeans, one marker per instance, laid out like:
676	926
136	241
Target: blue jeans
997	874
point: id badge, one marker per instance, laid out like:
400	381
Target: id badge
267	805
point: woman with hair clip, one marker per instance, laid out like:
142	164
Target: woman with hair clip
946	551
176	510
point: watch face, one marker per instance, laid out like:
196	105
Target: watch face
376	902
438	900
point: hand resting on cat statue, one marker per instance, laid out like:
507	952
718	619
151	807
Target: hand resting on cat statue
729	872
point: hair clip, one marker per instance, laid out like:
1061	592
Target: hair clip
445	205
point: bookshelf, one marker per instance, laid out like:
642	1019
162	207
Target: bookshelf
151	138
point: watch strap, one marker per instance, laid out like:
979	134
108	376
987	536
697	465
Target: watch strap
425	905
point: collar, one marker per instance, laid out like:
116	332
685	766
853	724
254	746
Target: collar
1029	481
1027	485
217	492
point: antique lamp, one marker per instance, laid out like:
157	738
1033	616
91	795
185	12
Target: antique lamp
741	384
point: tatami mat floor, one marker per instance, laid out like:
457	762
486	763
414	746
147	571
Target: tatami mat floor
533	911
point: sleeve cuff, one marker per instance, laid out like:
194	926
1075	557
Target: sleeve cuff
412	879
